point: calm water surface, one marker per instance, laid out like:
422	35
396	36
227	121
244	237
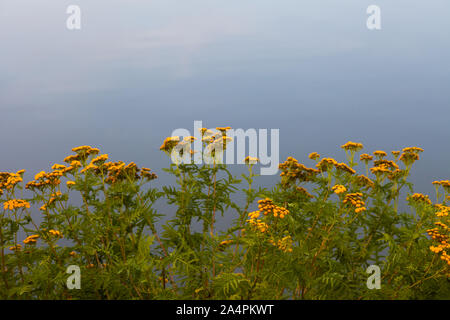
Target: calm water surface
139	69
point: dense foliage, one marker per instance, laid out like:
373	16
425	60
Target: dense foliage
313	236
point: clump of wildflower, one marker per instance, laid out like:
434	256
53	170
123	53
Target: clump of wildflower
364	181
444	184
266	206
259	225
408	158
380	171
169	143
365	157
251	160
338	189
206	132
73	157
439	235
442	210
89	167
355	200
395	154
254	214
284	244
293	171
224	244
189	139
100	159
147	174
220	143
352	146
326	164
386	163
380	154
57	166
17	247
55	233
9	180
397	174
344	168
223	129
314	156
419	198
15	204
31	239
413	150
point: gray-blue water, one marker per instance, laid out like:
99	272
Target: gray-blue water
139	69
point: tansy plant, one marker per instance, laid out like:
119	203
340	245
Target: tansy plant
312	236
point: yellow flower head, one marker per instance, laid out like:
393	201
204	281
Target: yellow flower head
365	157
102	158
251	160
57	167
380	154
169	143
314	156
419	198
15	204
413	150
326	164
70	183
353	146
338	189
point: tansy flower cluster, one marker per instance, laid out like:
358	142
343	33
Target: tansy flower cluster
266	206
55	233
284	244
338	189
44	179
293	171
352	146
15	204
224	243
53	197
314	156
31	239
251	160
409	157
442	210
17	247
363	181
380	154
365	157
355	200
386	164
445	184
8	180
259	225
326	164
84	152
419	198
439	234
344	168
169	143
